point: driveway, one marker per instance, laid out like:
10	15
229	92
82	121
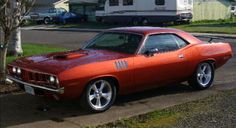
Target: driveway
22	110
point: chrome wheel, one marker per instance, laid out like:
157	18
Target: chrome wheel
46	20
100	94
204	74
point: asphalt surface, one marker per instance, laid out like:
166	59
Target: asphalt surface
71	40
23	110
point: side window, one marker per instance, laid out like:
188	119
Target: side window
127	2
162	42
182	43
52	10
114	2
160	2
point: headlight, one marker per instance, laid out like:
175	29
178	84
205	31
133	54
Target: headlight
18	71
14	69
57	81
52	79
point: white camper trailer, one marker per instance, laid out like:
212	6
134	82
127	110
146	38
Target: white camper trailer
144	11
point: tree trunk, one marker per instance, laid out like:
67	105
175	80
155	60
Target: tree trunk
14	47
3	54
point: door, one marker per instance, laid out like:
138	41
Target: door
167	65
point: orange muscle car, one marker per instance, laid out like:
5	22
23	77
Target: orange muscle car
121	61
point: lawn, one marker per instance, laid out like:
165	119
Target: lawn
214	111
226	27
219	26
29	49
36	49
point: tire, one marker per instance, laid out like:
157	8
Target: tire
203	76
46	20
99	95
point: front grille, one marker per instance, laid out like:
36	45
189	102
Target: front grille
32	77
36	78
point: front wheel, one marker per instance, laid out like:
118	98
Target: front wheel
203	76
99	95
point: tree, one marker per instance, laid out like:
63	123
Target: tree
11	13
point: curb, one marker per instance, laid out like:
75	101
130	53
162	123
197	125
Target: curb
230	36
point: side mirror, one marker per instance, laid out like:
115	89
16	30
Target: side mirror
151	52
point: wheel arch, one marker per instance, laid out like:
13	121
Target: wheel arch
211	61
111	78
47	17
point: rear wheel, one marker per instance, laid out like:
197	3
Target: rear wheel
99	95
46	20
203	76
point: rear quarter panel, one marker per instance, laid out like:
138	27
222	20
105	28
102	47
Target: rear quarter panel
218	52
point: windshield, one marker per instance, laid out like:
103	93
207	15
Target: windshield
118	42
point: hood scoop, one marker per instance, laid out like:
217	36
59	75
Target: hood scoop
69	56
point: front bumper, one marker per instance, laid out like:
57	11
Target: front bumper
185	17
58	91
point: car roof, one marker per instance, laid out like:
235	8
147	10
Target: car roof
156	30
145	30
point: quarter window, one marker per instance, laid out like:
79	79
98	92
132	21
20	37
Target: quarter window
160	2
114	2
182	43
164	43
127	2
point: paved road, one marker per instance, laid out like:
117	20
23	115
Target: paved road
71	40
22	110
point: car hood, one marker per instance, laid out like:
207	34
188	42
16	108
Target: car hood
55	63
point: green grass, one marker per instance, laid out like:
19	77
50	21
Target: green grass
36	49
227	26
171	116
221	26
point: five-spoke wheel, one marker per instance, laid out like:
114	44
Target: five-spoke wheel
203	76
99	95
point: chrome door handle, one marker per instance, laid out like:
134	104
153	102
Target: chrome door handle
181	56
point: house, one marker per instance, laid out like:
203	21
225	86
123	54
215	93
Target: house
211	9
85	7
44	5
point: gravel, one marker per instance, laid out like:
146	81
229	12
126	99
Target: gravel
8	88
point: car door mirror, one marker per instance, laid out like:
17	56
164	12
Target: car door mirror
151	52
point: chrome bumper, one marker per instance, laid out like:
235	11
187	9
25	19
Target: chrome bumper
59	91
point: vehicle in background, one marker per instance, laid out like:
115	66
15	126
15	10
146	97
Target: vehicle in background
47	17
69	17
233	10
144	12
25	19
